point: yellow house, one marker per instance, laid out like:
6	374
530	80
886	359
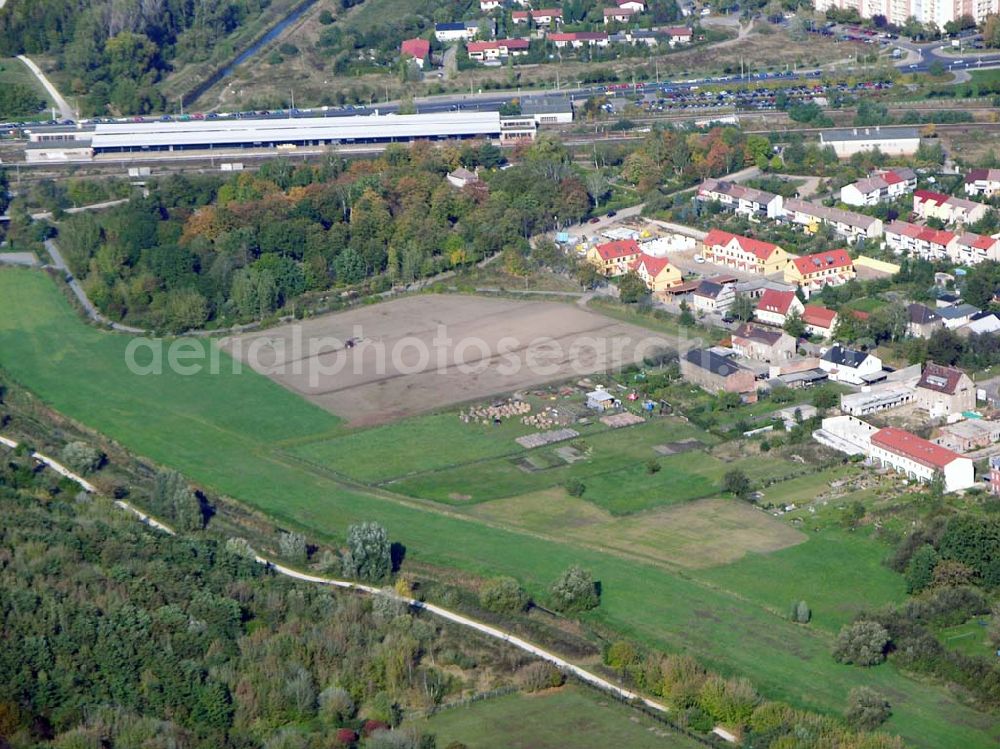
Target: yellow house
744	253
658	272
813	272
614	258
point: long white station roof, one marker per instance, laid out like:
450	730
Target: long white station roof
223	132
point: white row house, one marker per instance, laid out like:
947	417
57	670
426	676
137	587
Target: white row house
847	224
879	186
745	200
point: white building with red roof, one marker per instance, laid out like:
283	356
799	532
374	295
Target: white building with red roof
541	17
812	272
578	39
970	248
912	239
819	321
887	184
743	253
614	258
418	49
774	307
920	459
677	35
497	49
928	204
985	182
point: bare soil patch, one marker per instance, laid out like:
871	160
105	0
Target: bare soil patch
383	362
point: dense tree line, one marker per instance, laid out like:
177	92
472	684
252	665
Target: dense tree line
129	637
18	100
116	50
197	250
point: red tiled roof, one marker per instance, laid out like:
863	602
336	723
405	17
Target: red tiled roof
908	445
540	13
719	238
822	261
677	31
978	241
821	317
619	248
776	301
417	48
891	178
859	314
497	44
654	265
931	196
572	36
935	236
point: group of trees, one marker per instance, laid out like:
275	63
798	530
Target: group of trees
673	157
117	50
130	637
574	591
197	250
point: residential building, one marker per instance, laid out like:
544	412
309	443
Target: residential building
879	186
658	273
744	253
578	39
618	15
614	258
764	344
819	321
746	200
951	210
971	248
541	17
460	31
774	307
970	434
635	37
897	12
490	5
461	177
677	35
717	373
498	49
892	141
945	391
913	239
985	182
850	225
850	366
848	434
418	49
755	287
812	272
710	296
957	315
923	321
980	323
920	459
637	6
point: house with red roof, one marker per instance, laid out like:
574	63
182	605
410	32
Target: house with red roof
928	204
614	258
912	239
774	307
920	459
541	17
658	272
819	321
497	49
970	248
578	39
418	49
743	253
677	35
812	272
881	185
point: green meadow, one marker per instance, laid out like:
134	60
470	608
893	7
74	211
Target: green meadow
228	433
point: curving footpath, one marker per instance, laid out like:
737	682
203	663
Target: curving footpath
65	110
499	634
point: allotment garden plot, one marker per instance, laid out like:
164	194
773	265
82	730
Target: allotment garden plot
380	363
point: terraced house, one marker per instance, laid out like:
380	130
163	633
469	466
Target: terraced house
658	273
985	182
951	210
912	239
741	199
849	225
812	272
879	186
744	253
